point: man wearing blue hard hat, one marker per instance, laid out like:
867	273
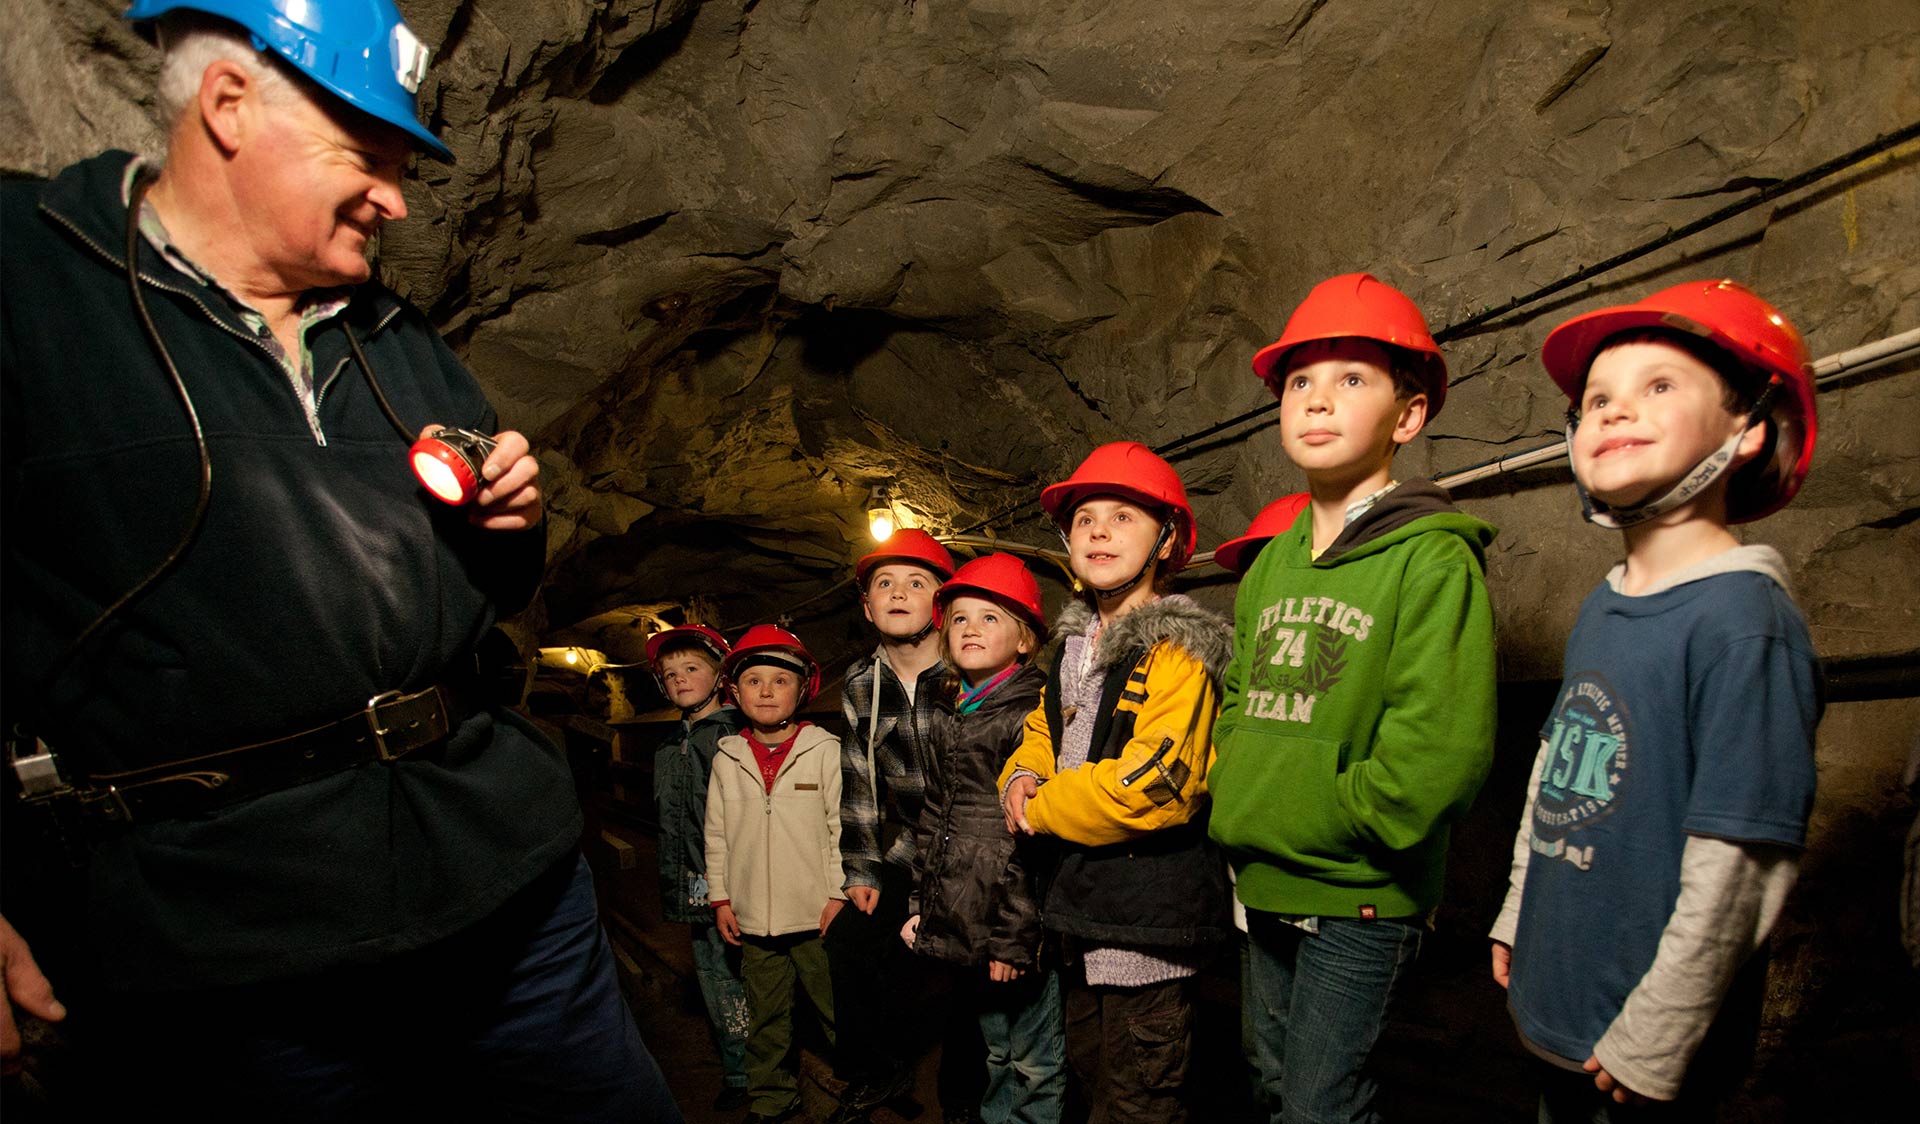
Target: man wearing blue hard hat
310	870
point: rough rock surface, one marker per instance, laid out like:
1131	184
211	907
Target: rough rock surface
735	264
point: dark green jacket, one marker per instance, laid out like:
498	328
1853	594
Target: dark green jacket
681	768
1359	713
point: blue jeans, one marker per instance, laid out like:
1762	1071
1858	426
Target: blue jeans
1026	1036
518	1017
1313	1005
717	966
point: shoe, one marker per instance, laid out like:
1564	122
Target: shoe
732	1097
863	1095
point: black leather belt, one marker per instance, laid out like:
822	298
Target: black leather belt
391	726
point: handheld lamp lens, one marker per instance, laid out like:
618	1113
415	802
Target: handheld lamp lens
439	479
448	463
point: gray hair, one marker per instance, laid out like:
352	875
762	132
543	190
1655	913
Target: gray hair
189	43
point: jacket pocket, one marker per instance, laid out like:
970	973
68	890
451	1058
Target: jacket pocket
1274	795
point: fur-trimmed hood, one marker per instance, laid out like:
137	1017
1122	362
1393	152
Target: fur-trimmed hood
1175	618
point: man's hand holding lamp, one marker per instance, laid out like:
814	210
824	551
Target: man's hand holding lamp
496	474
448	462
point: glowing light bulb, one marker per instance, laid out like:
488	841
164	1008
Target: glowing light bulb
439	479
880	524
448	463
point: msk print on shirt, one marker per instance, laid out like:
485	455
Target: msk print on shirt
1306	639
1587	757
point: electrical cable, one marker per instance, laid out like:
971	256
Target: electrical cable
56	667
135	196
1772	191
373	384
1878	145
1453	331
1826	370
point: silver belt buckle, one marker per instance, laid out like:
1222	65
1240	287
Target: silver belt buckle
39	774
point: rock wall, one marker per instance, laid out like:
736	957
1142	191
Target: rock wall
735	264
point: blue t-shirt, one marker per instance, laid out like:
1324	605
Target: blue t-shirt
1689	711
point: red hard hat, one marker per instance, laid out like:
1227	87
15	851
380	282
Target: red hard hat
1133	472
697	633
1002	578
1360	306
1238	554
763	639
906	545
1735	318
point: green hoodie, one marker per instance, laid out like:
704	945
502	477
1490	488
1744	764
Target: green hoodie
1359	712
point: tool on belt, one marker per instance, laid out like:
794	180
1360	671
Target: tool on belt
390	727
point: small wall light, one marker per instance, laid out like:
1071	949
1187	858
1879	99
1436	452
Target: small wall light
880	519
573	658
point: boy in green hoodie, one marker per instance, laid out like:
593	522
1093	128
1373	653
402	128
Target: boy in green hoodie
1359	712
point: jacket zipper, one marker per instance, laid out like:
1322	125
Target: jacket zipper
313	420
1151	764
320	392
766	800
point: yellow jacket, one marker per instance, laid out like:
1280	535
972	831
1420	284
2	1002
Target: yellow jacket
1161	726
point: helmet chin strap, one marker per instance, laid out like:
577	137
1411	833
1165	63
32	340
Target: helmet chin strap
1166	529
719	684
1696	481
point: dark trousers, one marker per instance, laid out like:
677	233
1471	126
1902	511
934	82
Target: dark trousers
775	969
1572	1098
1130	1048
892	1006
518	1017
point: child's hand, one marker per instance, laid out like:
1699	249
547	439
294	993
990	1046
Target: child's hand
910	930
729	924
831	911
1014	804
1502	963
1607	1083
999	971
864	898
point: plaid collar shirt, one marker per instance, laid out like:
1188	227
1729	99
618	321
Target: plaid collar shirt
876	819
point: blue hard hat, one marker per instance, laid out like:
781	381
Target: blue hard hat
361	51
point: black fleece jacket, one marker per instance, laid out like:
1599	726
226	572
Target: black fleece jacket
322	576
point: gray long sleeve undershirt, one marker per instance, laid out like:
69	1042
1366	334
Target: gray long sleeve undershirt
1730	895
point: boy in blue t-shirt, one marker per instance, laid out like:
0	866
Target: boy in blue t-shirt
1668	805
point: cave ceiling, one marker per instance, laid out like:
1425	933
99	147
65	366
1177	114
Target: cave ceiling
734	266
